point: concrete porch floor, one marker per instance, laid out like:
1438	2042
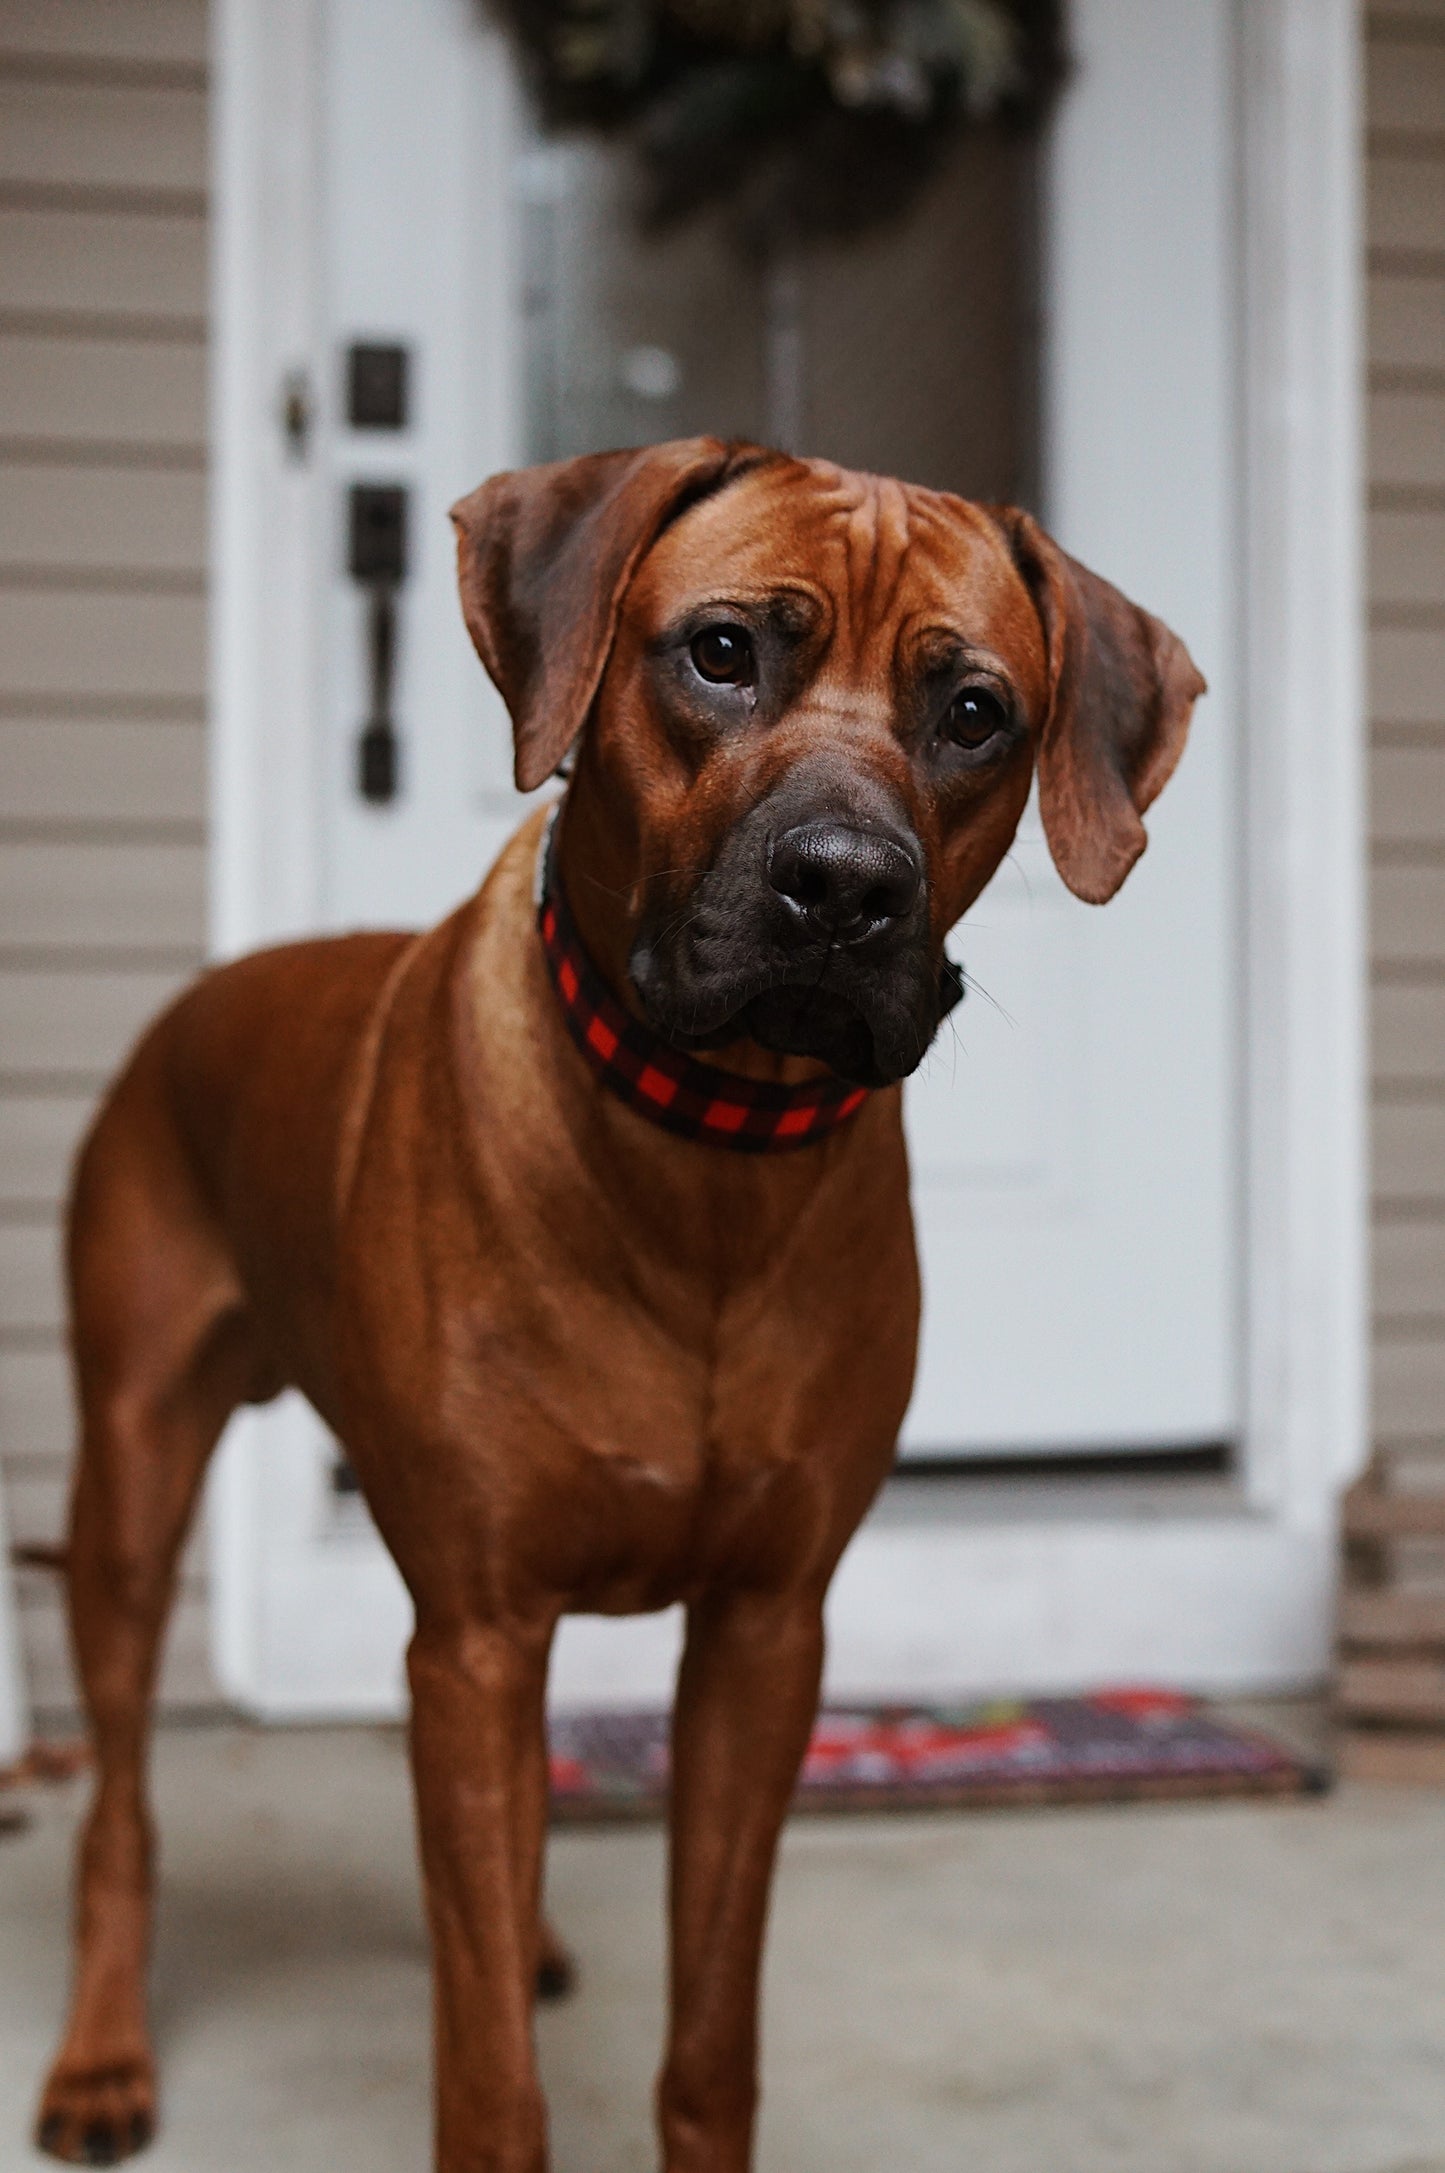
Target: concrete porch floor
1203	1989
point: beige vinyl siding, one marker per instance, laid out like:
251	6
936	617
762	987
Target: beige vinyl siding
1406	468
102	663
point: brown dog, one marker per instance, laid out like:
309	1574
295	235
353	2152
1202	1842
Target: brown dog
582	1363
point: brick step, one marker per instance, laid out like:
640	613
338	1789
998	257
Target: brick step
1404	1757
1409	1690
1392	1618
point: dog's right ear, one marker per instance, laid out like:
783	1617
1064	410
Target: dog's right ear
544	556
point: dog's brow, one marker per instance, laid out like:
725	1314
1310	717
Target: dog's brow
876	547
791	608
794	610
936	646
930	651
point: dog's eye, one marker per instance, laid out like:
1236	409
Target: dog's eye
724	655
973	718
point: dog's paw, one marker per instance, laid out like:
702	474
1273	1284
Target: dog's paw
97	2114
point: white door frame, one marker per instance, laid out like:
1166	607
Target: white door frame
965	1584
14	1705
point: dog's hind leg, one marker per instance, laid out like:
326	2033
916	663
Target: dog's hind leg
163	1353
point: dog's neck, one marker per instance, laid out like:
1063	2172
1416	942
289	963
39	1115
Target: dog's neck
708	1103
596	871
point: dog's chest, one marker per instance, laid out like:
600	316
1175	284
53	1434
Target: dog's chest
628	1366
631	1465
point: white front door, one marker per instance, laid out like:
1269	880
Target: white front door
1075	1134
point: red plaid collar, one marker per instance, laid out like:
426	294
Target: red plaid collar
697	1101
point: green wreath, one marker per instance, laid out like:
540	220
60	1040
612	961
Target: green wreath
810	117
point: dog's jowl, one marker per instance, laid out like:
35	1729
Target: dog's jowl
583	1218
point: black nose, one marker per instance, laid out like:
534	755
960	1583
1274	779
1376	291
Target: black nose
846	883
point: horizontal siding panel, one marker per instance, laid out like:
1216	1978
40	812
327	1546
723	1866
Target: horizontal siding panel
67	260
101	770
1407	914
1409	1032
1406	203
1407	439
36	1410
31	1285
1406	558
117	392
173	32
1410	1269
103	896
96	645
113	135
1407	675
1406	322
1409	1389
1408	1151
1407	795
119	519
1418	1467
77	1022
1406	570
37	1506
103	104
1405	85
39	1134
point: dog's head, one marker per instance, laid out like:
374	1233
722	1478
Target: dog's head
814	702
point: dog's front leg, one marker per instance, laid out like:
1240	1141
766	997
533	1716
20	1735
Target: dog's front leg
746	1697
480	1768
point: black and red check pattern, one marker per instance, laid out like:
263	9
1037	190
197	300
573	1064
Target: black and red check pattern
697	1101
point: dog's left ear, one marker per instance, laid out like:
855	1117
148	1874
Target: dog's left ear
544	556
1121	689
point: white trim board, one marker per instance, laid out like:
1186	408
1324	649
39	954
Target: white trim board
963	1588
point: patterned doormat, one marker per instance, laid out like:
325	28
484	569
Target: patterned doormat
1117	1746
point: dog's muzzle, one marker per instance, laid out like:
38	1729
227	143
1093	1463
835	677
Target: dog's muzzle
809	934
848	885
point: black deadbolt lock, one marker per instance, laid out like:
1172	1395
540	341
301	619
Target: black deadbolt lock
376	386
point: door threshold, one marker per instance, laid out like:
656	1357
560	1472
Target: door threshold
1200	1480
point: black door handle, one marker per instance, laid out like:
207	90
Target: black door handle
377	559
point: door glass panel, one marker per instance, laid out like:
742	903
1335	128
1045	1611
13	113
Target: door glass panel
909	351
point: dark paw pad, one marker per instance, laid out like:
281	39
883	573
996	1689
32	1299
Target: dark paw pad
50	2134
100	2144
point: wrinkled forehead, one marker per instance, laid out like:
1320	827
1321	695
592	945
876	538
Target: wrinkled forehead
881	553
